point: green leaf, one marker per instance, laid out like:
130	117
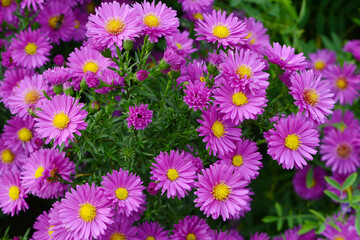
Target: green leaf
278	209
357	222
318	214
270	219
279	223
349	181
331	223
307	227
310	177
333	183
302	11
332	195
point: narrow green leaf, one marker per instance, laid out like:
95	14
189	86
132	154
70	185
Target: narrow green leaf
269	219
310	177
321	228
302	11
307	227
349	181
290	220
331	223
279	223
278	209
333	183
357	222
318	214
332	195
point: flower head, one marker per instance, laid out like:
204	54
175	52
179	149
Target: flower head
321	59
10	160
191	227
181	43
318	184
57	75
42	227
197	95
257	39
139	116
353	47
152	230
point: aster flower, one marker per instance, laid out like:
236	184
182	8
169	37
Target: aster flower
343	82
219	134
216	27
260	236
42	227
171	59
197	95
353	47
6	58
346	120
285	77
57	75
112	24
35	4
7	9
197	6
181	43
244	71
121	228
124	191
60	118
193	72
196	161
92	80
340	151
321	59
58	230
191	227
292	140
231	234
12	194
347	231
257	39
81	18
151	230
10	160
110	77
312	95
221	191
318	183
245	158
284	57
151	188
174	173
139	116
84	211
59	60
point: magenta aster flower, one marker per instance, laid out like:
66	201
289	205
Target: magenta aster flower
321	59
196	6
6	58
197	95
343	82
142	75
196	161
35	4
219	134
112	78
151	230
221	191
58	230
124	191
156	20
57	75
231	234
284	57
318	183
10	160
244	71
312	95
85	211
174	173
292	140
257	39
42	227
259	236
347	231
59	60
139	116
60	118
346	120
12	194
7	9
112	24
340	151
81	19
121	228
216	27
245	158
193	72
191	227
353	47
171	58
285	77
151	188
181	43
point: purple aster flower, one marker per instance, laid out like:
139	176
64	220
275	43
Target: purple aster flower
59	60
216	27
197	95
245	158
231	234
42	227
285	77
139	116
171	58
197	6
57	75
156	20
193	72
10	160
318	183
174	173
221	191
35	4
340	151
257	39
346	120
142	75
7	60
353	47
260	236
81	18
91	79
191	227
312	95
196	161
343	82
292	140
7	9
219	133
110	77
121	228
151	231
284	57
58	229
112	24
347	231
216	59
151	188
321	59
12	194
181	43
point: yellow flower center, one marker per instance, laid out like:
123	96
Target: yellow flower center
221	31
172	174
14	193
221	191
121	193
91	66
30	48
87	212
237	160
31	97
7	156
118	236
49	231
190	236
311	96
24	135
151	20
252	41
55	22
198	16
150	238
339	238
77	24
343	150
5	3
61	120
115	26
39	172
341	83
244	71
313	183
292	141
202	79
319	65
239	99
178	45
218	129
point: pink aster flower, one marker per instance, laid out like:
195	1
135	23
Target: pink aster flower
81	18
85	212
12	194
257	39
142	75
312	95
121	228
192	72
156	20
238	105
221	191
231	234
181	43
10	160
35	4
343	82
197	95
57	75
318	183
112	24
196	161
292	140
346	120
216	27
124	191
58	229
347	231
60	118
191	227
340	151
7	9
43	169
151	188
244	70
219	133
42	227
284	57
259	236
171	59
174	173
7	60
321	59
245	158
196	6
59	60
151	230
139	116
56	21
28	95
110	77
353	47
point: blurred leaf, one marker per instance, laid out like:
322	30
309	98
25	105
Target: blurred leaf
357	222
318	214
307	227
270	219
349	181
302	11
331	223
333	183
278	209
310	177
332	195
